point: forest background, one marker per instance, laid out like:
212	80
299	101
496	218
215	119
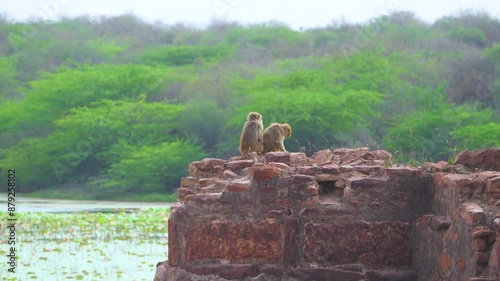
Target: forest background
117	108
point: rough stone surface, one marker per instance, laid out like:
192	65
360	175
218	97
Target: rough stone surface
377	243
482	159
341	215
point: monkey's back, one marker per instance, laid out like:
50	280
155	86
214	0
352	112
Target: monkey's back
251	137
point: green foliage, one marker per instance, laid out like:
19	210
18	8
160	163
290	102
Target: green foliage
153	168
7	77
90	139
481	136
180	55
46	99
428	134
202	121
469	35
263	35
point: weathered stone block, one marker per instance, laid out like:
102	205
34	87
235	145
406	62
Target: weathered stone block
483	159
322	156
326	177
189	182
365	182
299	159
280	157
183	192
494	261
473	214
403	172
367	170
439	223
391	275
458	182
326	274
230	272
238	166
228	174
278	165
493	185
265	173
309	170
236	186
204	199
205	168
330	169
481	231
434	167
237	242
382	155
375	243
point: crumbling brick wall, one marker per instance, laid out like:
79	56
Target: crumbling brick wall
341	215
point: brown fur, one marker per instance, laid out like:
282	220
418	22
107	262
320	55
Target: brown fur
274	135
251	136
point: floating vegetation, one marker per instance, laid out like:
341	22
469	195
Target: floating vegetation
89	246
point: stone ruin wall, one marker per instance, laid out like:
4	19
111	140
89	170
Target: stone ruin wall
342	215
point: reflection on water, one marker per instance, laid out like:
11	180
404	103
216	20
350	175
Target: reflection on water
26	204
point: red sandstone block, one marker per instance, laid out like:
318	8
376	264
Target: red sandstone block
188	182
382	155
371	243
473	213
340	183
459	182
438	223
299	159
322	156
204	199
392	275
237	242
330	169
434	167
231	272
481	231
302	179
308	170
479	245
183	192
281	157
367	170
493	185
278	165
238	166
327	274
494	261
265	173
403	172
205	167
238	186
326	177
228	174
365	182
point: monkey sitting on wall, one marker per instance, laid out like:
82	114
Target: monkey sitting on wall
274	135
251	136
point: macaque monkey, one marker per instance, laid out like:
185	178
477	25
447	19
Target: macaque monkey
274	135
251	136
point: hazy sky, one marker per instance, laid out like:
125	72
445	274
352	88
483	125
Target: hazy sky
298	13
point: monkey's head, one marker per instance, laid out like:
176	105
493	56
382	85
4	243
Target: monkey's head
287	129
254	116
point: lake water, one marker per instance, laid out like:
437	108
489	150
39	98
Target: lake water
27	204
84	240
